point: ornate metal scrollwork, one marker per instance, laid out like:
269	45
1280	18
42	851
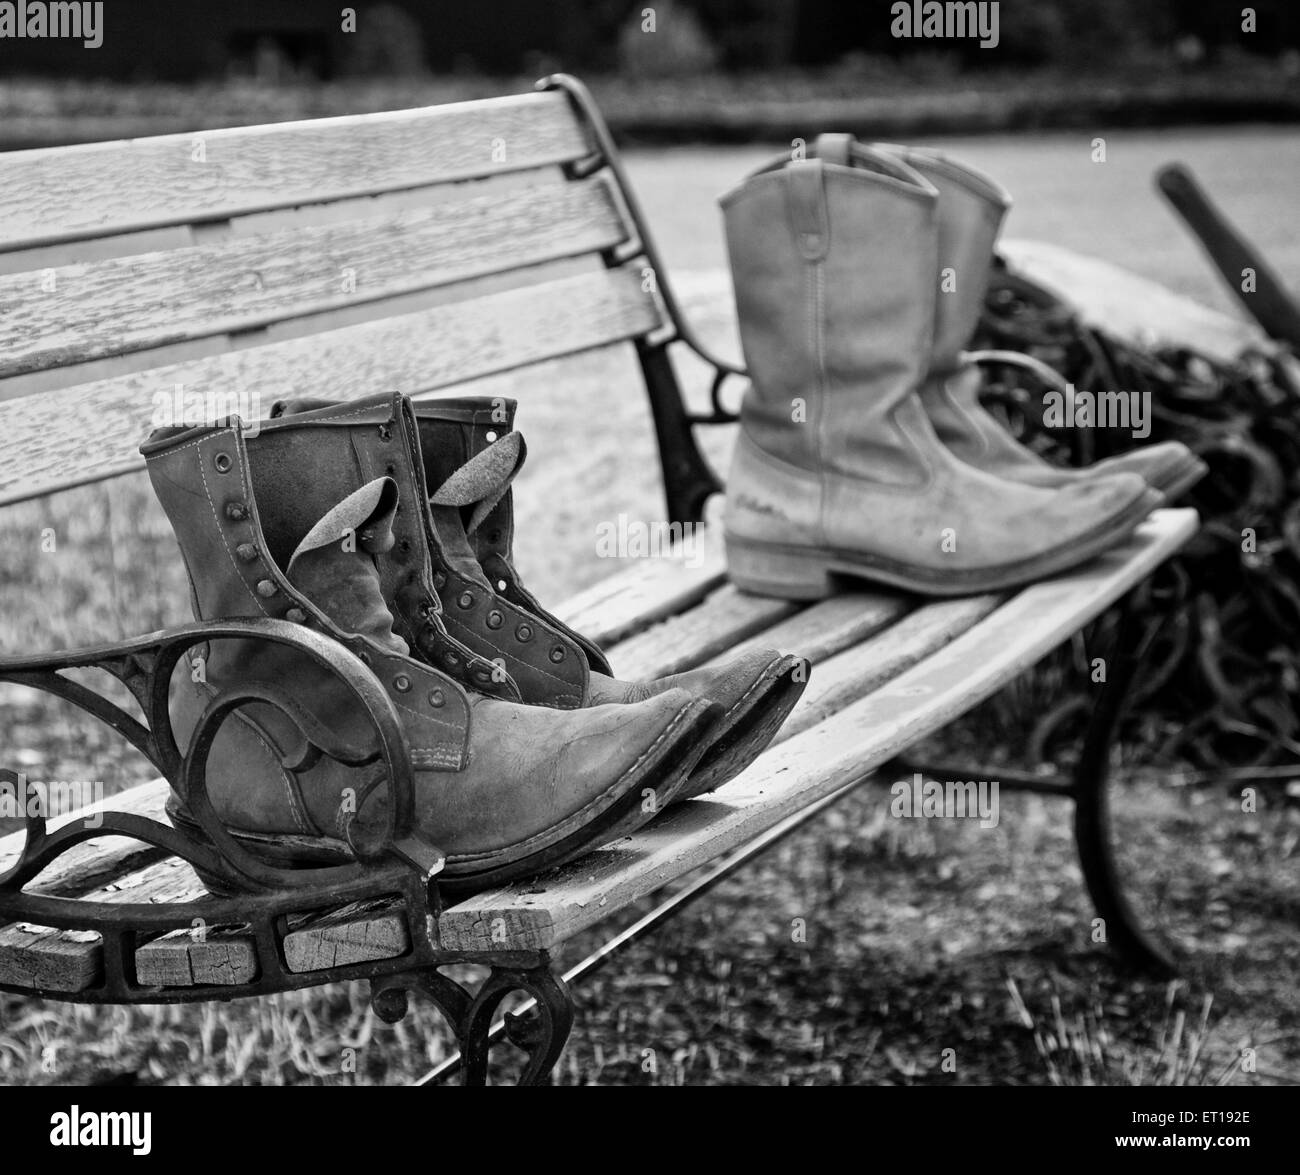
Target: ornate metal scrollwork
540	1032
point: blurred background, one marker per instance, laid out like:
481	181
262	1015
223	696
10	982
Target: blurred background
714	69
918	938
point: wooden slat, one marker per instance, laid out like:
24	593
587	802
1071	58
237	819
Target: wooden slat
95	862
86	312
828	627
646	592
68	960
360	933
71	192
831	755
688	639
844	678
49	435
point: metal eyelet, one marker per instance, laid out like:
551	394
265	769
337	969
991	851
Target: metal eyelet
466	599
385	432
401	683
266	588
495	619
236	511
491	436
437	698
246	551
450	659
501	585
297	615
557	653
524	632
222	462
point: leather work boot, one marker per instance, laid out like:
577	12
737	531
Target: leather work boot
469	455
837	469
281	525
970	214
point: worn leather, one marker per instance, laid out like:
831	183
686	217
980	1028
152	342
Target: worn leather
471	454
970	212
269	528
834	271
494	645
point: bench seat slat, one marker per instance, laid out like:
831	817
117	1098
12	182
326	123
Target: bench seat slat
684	641
48	433
823	759
80	313
69	193
646	592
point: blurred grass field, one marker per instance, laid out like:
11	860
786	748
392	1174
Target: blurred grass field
861	948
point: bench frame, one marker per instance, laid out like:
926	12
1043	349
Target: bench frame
411	869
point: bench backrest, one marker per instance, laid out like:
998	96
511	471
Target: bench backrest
404	251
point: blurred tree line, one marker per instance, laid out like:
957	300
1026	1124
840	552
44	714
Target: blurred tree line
315	39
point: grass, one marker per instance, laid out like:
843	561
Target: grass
860	950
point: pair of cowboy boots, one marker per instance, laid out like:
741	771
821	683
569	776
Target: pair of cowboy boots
389	528
864	450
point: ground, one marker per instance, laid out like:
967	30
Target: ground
862	949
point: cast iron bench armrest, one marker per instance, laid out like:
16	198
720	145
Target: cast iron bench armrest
144	665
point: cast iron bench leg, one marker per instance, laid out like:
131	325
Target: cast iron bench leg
1092	830
541	1032
1089	790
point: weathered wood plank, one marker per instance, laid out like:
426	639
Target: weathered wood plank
691	637
1132	308
359	933
96	862
99	188
844	678
413	353
646	592
220	956
71	960
79	313
827	627
822	759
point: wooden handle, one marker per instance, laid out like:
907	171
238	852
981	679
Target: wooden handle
1270	304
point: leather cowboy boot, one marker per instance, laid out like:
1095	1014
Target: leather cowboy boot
268	528
970	214
837	469
469	457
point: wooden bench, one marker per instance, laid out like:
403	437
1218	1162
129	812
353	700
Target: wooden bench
416	251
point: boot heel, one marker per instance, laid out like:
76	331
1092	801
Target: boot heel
768	571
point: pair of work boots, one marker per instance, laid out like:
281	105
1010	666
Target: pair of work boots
864	451
388	526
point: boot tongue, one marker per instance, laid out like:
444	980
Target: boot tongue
334	564
479	485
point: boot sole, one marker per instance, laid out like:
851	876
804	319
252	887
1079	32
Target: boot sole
672	758
791	572
747	728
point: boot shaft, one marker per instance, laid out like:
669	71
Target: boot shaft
834	270
245	516
971	210
484	633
